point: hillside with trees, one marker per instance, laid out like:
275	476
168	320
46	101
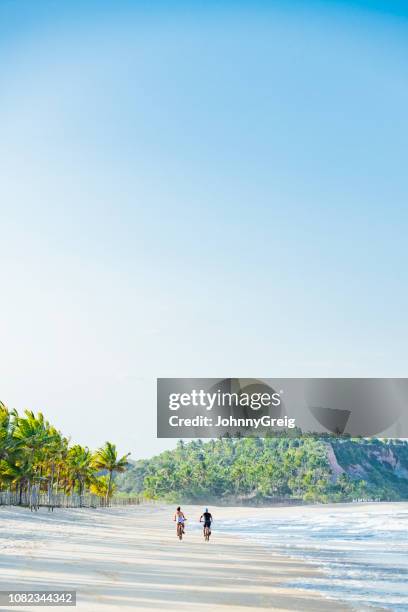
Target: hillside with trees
262	471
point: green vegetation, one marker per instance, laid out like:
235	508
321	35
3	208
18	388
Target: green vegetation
254	470
35	458
106	458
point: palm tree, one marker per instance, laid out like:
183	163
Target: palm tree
100	485
7	423
51	457
18	473
106	458
59	462
33	435
79	467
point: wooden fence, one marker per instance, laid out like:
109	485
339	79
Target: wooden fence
35	500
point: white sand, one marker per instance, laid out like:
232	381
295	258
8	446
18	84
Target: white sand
130	559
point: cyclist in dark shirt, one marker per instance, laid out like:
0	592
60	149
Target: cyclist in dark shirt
207	518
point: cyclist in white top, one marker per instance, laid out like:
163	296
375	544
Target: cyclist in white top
180	518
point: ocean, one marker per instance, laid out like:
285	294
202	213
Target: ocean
362	549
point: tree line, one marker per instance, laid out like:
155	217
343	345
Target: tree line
36	458
256	470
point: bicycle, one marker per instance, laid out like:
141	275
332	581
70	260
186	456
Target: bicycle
180	531
207	533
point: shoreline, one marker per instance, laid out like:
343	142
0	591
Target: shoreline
129	558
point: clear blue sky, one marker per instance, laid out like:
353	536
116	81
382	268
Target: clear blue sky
197	189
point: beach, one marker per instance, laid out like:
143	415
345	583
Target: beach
129	558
